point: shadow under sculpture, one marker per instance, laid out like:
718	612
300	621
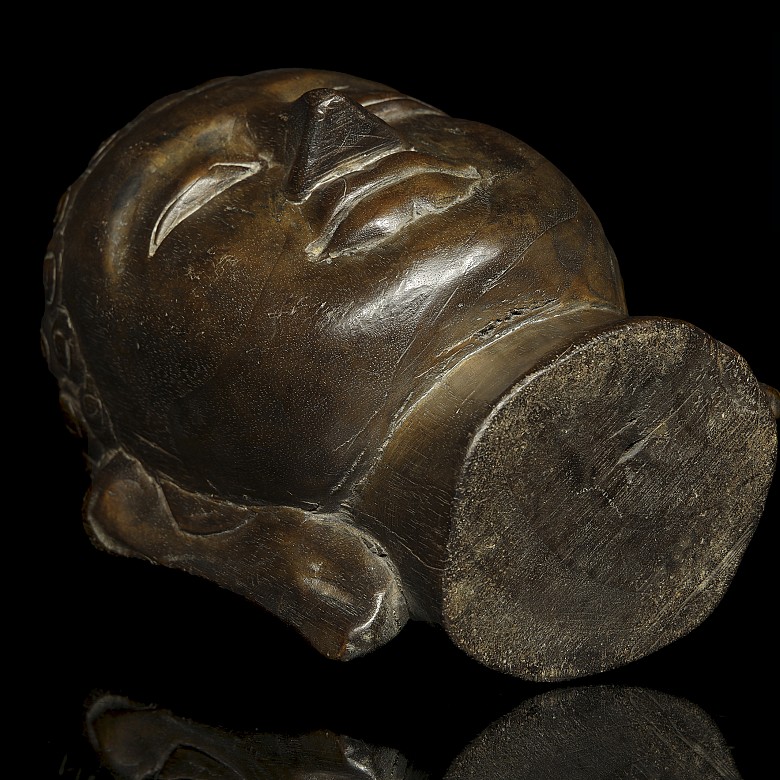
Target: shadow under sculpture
359	361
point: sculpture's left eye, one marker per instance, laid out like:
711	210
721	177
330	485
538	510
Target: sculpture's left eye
220	177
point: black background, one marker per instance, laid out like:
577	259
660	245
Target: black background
665	128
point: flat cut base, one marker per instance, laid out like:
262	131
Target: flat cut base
606	501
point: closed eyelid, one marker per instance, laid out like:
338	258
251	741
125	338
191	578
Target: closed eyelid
220	177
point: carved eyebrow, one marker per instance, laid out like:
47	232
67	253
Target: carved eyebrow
220	177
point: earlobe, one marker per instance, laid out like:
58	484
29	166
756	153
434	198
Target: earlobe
125	512
319	573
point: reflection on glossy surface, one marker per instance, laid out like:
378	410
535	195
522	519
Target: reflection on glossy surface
597	733
573	733
138	742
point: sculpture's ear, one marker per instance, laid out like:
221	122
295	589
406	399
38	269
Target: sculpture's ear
131	512
327	578
126	512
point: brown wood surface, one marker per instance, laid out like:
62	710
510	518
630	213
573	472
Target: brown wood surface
357	361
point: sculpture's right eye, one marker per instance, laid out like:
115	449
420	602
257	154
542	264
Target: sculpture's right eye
220	177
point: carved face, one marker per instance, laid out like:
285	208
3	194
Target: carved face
265	271
356	360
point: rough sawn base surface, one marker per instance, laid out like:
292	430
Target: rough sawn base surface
632	472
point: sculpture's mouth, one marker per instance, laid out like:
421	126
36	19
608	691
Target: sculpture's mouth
367	205
393	106
358	178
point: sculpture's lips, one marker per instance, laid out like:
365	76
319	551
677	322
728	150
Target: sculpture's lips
364	207
393	107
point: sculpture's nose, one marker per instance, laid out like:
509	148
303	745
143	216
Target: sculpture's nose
328	134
